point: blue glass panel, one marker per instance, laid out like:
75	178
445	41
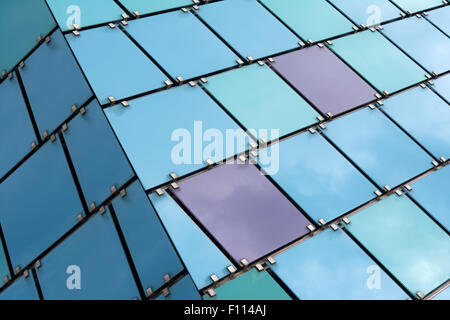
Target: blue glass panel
422	41
264	35
22	289
101	53
425	116
406	241
442	86
150	247
4	269
155	128
16	130
93	252
439	18
200	255
53	83
181	44
444	295
96	154
382	150
17	37
432	194
368	12
38	204
417	5
332	266
316	176
85	13
183	289
144	7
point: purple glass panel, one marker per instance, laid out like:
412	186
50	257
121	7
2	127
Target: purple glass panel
324	79
243	210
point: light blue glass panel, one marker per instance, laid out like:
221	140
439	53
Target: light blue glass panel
16	130
425	116
331	266
150	6
181	44
183	289
260	100
156	129
440	18
17	37
422	41
22	289
85	13
101	53
150	247
406	241
381	149
95	253
316	176
444	295
96	154
417	5
315	20
38	204
442	86
368	12
378	61
200	255
433	195
264	35
53	83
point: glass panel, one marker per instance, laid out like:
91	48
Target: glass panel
442	86
422	41
417	5
85	13
368	12
22	289
169	39
252	285
324	79
316	176
444	295
251	218
315	20
16	130
17	37
330	266
144	7
92	144
149	245
432	194
379	61
382	150
4	269
38	204
101	53
264	34
425	116
183	289
200	255
406	241
93	258
53	83
158	131
439	18
261	101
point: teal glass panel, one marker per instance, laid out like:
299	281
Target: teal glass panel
331	266
311	20
417	5
440	18
316	176
260	100
101	53
406	241
151	6
252	285
380	149
21	289
183	289
85	13
17	37
378	61
156	129
368	12
425	116
421	41
431	192
442	87
200	255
